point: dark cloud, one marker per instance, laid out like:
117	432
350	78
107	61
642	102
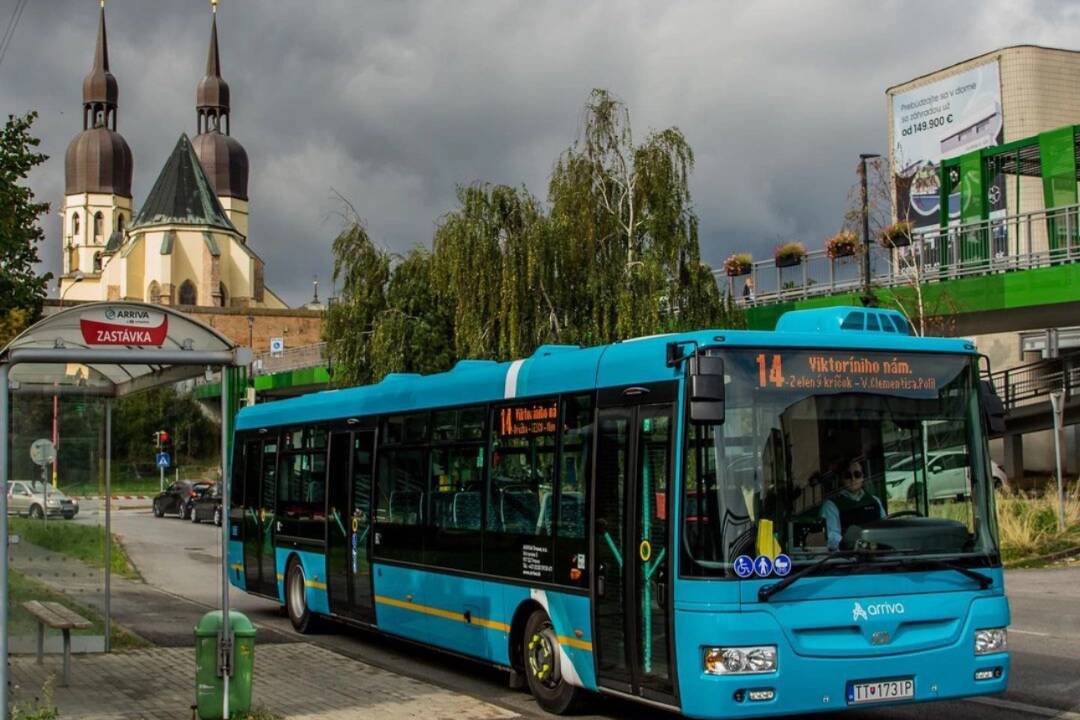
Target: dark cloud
394	103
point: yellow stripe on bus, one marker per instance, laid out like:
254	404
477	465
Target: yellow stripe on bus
237	567
575	643
315	584
439	612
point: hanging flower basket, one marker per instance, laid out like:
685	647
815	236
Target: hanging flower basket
738	264
789	254
896	235
842	244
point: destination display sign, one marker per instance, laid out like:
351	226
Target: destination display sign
532	419
846	371
124	326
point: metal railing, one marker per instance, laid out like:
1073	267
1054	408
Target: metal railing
1017	242
1032	383
305	356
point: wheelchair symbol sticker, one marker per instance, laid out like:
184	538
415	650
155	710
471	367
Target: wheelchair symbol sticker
744	566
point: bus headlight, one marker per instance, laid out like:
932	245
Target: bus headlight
750	660
991	640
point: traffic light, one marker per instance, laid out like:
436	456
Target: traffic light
161	439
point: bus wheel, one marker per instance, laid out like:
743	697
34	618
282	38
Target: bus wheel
295	598
542	671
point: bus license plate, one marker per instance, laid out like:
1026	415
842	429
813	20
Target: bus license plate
877	691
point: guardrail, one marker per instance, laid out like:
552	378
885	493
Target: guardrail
1032	383
305	356
1015	242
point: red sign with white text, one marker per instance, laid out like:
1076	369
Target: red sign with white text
124	326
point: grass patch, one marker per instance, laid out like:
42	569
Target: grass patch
1028	525
23	589
40	708
259	713
82	542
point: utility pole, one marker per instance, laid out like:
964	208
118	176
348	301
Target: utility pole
867	298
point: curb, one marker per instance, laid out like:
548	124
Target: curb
114	497
1052	557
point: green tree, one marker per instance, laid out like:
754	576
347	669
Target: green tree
363	271
615	256
21	288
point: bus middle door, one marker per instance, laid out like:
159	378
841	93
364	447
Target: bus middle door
631	584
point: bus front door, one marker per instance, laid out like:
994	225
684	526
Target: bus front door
349	518
631	587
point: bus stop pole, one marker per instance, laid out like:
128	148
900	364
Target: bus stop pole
108	525
3	541
226	624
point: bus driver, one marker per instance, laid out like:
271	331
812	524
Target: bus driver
851	505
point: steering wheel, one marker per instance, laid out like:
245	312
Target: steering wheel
902	513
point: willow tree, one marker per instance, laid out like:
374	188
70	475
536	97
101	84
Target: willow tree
493	270
362	272
629	235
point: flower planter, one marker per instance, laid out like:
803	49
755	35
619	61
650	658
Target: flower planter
839	253
896	235
738	264
789	261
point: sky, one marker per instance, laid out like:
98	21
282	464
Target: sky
394	104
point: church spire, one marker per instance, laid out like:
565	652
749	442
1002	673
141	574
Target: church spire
212	95
100	91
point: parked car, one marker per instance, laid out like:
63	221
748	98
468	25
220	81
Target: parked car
29	497
946	475
178	498
207	506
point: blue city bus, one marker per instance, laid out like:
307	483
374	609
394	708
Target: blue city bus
722	523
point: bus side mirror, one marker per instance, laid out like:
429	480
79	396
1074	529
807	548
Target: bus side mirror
993	408
706	389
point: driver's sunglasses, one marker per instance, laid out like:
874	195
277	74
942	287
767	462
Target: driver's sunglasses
855	474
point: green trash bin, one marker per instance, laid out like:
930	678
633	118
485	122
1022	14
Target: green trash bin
209	684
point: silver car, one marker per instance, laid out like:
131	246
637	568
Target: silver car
34	498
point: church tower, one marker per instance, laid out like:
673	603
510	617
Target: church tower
223	158
97	177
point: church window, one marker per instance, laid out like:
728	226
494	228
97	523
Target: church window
75	226
224	292
99	229
153	293
97	262
188	295
120	222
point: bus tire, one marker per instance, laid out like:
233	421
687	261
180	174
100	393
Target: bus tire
542	671
296	598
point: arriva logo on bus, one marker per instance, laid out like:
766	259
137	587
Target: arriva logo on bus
858	612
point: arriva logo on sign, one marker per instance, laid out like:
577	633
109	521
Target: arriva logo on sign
858	612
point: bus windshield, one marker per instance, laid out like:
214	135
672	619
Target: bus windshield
826	450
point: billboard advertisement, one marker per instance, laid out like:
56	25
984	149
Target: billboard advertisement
934	122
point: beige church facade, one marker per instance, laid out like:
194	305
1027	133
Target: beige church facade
188	243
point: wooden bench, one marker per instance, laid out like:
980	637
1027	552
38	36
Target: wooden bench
60	618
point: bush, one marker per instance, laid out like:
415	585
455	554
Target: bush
1028	526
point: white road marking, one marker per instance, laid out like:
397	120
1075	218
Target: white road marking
1029	632
1025	708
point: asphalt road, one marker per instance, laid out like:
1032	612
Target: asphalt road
182	559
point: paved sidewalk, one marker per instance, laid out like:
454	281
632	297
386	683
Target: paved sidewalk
297	680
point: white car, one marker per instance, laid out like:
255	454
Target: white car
946	475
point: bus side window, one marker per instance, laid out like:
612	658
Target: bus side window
521	484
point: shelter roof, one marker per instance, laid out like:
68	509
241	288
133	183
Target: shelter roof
122	347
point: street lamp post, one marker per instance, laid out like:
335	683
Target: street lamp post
867	299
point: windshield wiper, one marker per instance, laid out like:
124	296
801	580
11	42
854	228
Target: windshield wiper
984	581
767	591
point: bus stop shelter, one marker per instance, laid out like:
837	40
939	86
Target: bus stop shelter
108	350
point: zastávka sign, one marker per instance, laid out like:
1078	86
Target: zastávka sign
124	326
